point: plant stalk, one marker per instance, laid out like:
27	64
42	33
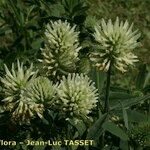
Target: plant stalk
106	106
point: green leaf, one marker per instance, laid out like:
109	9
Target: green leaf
124	145
115	130
131	102
57	10
141	77
96	130
120	95
125	117
80	126
116	97
99	78
134	116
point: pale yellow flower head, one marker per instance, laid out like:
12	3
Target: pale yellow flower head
77	96
41	91
116	43
60	53
15	81
24	109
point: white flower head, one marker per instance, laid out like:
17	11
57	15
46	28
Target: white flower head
41	90
116	43
37	95
15	81
60	53
77	95
14	85
25	109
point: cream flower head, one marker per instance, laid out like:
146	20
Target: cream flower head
24	109
77	96
60	53
41	91
116	43
15	82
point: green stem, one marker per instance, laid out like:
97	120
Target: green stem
106	107
69	136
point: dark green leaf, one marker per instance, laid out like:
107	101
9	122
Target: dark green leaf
135	116
99	78
115	130
80	126
116	97
131	102
96	130
141	77
124	145
125	117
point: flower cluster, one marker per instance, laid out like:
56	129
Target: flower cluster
60	53
27	96
116	42
140	134
77	96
